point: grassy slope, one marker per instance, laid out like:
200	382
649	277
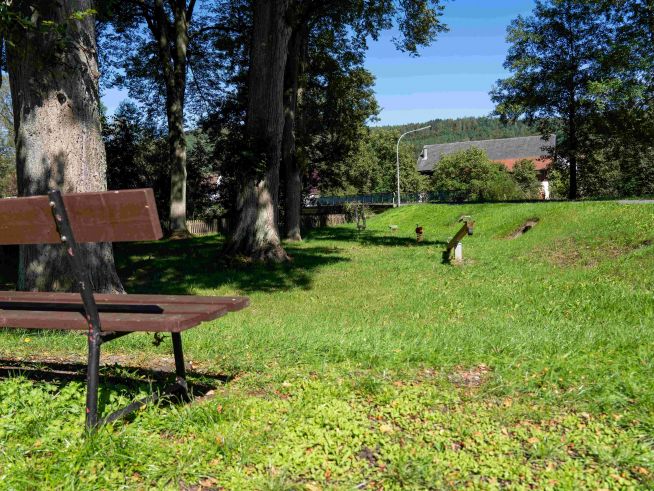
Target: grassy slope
359	363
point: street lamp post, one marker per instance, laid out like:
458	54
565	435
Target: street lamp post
397	151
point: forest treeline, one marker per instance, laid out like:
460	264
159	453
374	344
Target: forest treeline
270	100
460	129
367	167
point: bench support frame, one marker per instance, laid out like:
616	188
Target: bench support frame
96	337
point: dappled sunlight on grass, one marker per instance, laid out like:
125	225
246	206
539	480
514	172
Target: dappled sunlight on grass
183	266
339	429
359	361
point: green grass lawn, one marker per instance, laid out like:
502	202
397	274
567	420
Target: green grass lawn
367	363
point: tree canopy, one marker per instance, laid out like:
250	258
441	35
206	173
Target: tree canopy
471	175
584	69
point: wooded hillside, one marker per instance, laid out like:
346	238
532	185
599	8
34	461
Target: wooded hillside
461	129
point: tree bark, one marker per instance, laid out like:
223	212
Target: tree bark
54	88
573	145
292	170
177	151
173	59
572	191
256	232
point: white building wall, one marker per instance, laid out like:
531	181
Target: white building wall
546	189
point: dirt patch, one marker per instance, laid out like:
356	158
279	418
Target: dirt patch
369	455
72	363
471	377
524	228
115	369
570	252
565	253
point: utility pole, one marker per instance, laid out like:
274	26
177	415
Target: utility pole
397	152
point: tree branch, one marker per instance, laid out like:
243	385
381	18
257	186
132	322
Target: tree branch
161	35
209	29
189	11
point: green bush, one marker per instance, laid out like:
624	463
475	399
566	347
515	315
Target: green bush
526	177
372	168
471	175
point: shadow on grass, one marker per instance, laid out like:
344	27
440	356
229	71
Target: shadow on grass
124	380
368	237
178	267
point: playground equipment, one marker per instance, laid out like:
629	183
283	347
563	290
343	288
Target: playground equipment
455	242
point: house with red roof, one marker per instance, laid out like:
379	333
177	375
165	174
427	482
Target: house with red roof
506	151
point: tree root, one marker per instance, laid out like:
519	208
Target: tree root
293	238
270	254
275	255
180	235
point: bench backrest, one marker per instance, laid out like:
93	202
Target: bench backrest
110	216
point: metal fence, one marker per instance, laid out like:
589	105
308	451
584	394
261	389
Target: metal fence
385	198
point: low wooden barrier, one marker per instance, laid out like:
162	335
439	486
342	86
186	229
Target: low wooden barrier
455	242
203	227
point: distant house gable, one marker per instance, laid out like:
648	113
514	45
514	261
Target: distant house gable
507	151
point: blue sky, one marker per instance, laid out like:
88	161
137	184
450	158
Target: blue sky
451	78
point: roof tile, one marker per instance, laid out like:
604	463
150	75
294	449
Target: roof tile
533	147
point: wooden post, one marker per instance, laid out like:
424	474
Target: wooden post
455	243
458	252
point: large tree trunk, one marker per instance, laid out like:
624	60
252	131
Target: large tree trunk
177	152
292	171
172	43
293	200
256	233
54	88
573	188
573	149
176	92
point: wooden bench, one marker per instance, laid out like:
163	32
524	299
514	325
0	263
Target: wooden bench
112	216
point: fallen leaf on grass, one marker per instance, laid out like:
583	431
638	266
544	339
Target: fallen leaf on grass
386	428
209	482
473	377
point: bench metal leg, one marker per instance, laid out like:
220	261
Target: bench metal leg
92	381
180	369
81	274
180	388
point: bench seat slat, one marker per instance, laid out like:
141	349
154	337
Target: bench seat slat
119	322
232	304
